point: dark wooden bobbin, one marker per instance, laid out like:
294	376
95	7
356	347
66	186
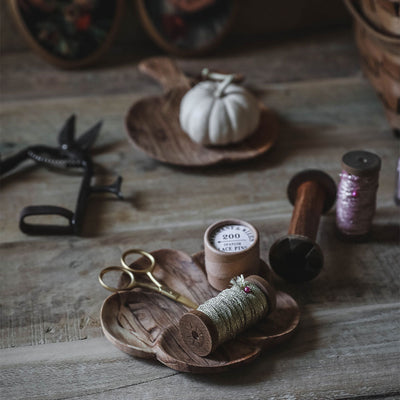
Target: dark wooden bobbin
199	332
296	257
361	163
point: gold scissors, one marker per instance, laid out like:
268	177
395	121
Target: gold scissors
154	285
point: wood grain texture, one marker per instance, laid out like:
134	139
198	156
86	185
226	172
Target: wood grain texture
377	28
384	14
347	345
307	210
24	75
153	124
353	339
145	324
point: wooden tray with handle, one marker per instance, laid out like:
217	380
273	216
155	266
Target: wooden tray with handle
144	324
153	124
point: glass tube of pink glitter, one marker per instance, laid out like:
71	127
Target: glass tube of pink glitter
356	195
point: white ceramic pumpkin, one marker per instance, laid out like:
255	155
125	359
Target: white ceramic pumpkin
219	113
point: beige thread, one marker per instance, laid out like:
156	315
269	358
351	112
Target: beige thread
233	310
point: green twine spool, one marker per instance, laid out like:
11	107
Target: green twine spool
223	317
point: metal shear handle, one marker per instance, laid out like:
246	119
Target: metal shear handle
71	153
45	229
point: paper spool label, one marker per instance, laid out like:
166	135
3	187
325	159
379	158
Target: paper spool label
232	238
231	248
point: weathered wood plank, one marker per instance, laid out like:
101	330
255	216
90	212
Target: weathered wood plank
26	76
347	345
316	129
50	291
338	353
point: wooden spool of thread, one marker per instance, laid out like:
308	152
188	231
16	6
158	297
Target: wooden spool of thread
223	317
356	197
296	256
231	248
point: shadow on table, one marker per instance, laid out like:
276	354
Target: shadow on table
385	233
304	340
292	139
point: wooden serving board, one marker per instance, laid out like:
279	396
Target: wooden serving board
143	323
153	124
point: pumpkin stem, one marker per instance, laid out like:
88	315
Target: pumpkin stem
223	85
215	76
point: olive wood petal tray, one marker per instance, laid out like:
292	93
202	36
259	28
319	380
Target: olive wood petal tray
153	126
143	323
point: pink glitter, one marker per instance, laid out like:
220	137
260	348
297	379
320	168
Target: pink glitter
356	203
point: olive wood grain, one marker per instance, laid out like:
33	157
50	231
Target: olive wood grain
166	72
153	126
145	324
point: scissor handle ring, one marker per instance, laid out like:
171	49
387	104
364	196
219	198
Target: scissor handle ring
113	289
144	254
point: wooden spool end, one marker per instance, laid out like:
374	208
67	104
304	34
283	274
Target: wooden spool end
361	163
296	258
319	177
199	332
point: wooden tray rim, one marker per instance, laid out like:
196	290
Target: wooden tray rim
260	343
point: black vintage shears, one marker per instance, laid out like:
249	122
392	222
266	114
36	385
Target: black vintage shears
147	271
71	153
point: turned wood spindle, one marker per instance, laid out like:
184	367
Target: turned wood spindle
296	256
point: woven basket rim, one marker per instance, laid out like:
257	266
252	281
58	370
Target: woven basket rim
386	37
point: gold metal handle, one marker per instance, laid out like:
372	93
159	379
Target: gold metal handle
120	269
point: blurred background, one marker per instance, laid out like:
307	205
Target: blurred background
256	19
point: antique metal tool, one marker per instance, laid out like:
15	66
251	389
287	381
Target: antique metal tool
71	153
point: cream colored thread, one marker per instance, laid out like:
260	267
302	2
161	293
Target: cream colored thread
233	310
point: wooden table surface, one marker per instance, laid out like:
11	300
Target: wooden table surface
52	347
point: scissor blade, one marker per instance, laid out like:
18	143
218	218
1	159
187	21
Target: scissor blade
87	139
177	297
167	292
67	134
186	302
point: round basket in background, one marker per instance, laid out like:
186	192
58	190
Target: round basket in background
377	33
